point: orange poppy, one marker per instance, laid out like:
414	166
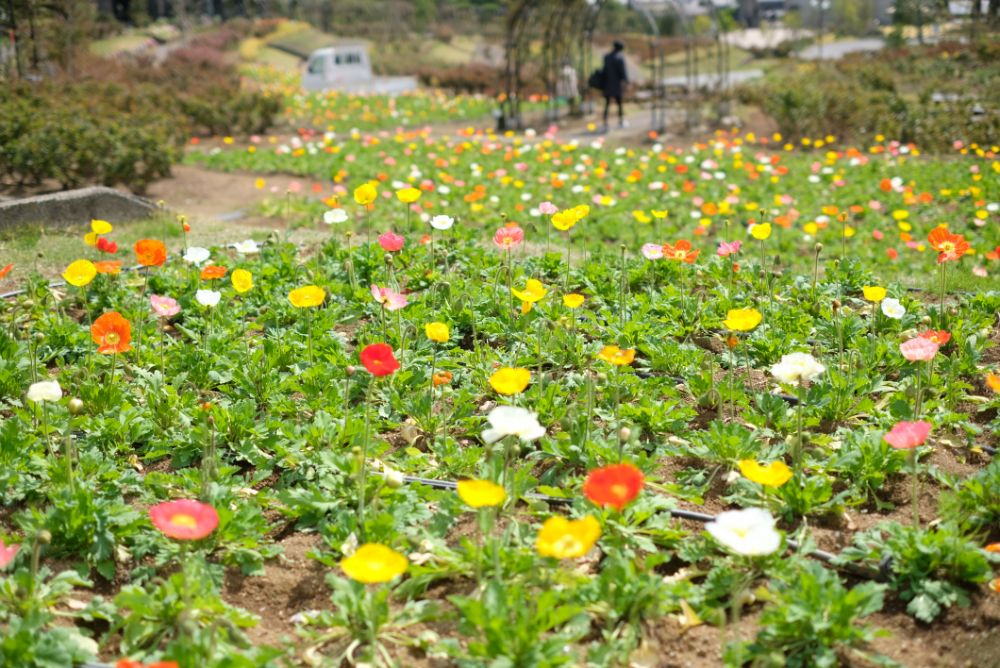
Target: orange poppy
948	245
212	271
150	252
108	267
6	270
614	485
112	333
680	251
442	378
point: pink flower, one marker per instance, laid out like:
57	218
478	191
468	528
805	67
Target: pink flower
652	251
919	349
727	248
877	235
908	435
184	519
391	242
7	553
548	208
508	237
389	298
164	306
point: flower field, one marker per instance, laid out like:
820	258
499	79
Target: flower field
534	402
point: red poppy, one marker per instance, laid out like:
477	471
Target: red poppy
949	246
150	252
938	336
6	270
106	246
680	251
379	360
615	485
212	271
129	663
112	333
184	519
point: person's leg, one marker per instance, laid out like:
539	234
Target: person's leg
607	107
621	114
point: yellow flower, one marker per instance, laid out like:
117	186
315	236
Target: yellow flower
365	194
617	356
480	493
80	273
90	238
761	231
533	291
242	280
993	382
100	226
659	214
408	195
307	296
874	293
567	539
437	331
742	319
373	563
774	474
510	381
573	300
641	217
567	218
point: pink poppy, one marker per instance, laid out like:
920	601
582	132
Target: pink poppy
548	208
919	349
508	237
389	298
164	306
184	519
727	248
652	251
908	435
391	242
7	553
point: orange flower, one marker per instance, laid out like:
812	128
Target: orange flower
108	267
993	382
442	378
680	251
150	252
212	271
112	333
6	270
615	485
949	246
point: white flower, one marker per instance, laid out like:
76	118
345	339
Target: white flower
442	222
749	532
512	421
196	255
247	247
892	308
208	297
796	367
335	216
46	390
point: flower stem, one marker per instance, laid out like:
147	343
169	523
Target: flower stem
916	489
363	464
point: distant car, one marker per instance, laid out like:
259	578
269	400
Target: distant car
346	67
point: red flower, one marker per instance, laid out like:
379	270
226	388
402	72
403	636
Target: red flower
949	246
908	435
184	519
938	336
680	251
615	485
6	270
112	333
150	252
106	246
379	360
129	663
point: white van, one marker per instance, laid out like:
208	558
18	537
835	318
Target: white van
346	67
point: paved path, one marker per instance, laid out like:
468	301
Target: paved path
840	48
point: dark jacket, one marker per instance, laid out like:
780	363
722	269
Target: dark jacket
614	74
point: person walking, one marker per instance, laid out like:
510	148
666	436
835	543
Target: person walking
615	78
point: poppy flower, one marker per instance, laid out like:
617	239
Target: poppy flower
408	195
164	307
196	255
242	280
128	663
100	226
246	247
727	248
750	531
373	564
442	222
617	356
949	246
760	231
6	270
45	390
510	380
908	435
111	267
742	319
437	332
208	298
874	293
391	242
918	349
508	237
573	300
480	493
106	246
112	333
938	336
307	296
185	519
212	272
796	367
993	382
7	553
680	251
389	298
379	360
365	194
533	291
567	218
441	378
567	539
652	251
150	252
774	474
80	273
616	485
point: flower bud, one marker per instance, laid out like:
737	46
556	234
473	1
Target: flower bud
394	479
388	258
624	434
351	370
75	406
43	537
818	247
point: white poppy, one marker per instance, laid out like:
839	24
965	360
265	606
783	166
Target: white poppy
796	367
196	255
208	297
46	390
512	421
892	308
247	247
749	532
335	216
442	222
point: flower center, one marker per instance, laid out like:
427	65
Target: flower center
111	338
184	520
619	490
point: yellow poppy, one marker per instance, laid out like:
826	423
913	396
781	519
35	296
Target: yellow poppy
567	539
437	331
365	194
617	356
242	280
100	226
761	231
533	291
874	293
742	319
80	273
90	238
774	474
993	382
480	493
307	296
373	563
509	380
573	300
659	214
408	195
